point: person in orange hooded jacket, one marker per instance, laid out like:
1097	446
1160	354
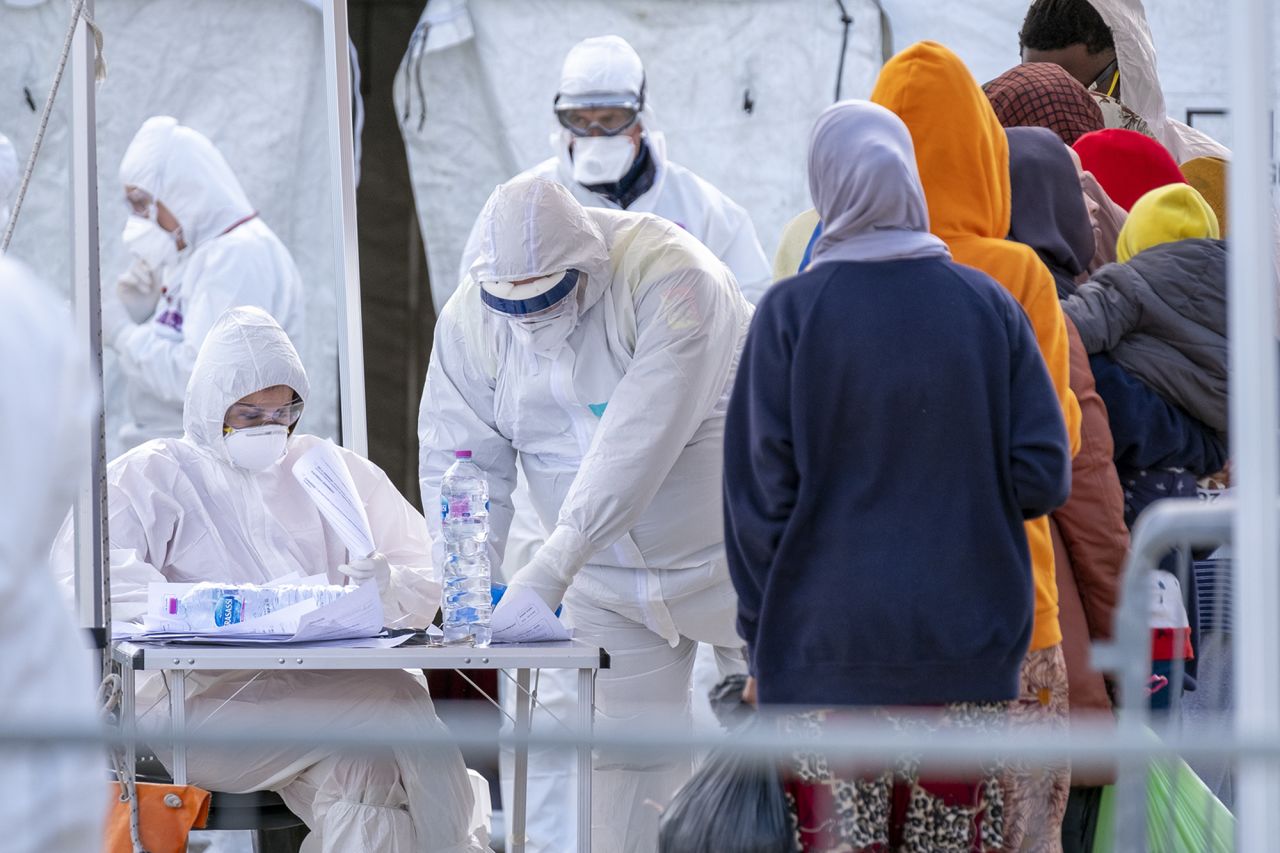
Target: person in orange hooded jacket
963	158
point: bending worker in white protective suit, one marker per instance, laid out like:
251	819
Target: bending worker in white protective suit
600	346
221	504
50	799
198	248
608	155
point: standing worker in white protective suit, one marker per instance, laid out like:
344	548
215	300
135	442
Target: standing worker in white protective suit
600	346
221	504
50	799
608	155
198	248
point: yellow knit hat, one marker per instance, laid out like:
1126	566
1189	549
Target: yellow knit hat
1164	215
1209	176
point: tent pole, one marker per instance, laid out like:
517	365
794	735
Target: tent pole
93	573
1256	455
337	63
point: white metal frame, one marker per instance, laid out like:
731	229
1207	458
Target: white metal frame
342	179
1255	469
178	661
92	607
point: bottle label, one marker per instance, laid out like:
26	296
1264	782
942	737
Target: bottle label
230	611
459	508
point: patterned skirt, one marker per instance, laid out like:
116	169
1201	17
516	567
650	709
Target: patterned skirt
900	809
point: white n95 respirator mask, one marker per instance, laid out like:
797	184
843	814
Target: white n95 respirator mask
257	448
602	159
150	243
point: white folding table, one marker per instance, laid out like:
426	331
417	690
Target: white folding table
178	660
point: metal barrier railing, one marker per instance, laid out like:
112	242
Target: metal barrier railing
1167	527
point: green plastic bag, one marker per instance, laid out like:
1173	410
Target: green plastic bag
1183	815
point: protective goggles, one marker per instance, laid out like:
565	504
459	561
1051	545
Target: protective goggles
531	300
599	113
141	203
244	415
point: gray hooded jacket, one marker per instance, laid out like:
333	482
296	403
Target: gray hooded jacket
1163	317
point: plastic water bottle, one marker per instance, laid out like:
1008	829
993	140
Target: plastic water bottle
209	606
464	522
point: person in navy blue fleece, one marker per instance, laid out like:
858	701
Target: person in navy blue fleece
1150	432
891	427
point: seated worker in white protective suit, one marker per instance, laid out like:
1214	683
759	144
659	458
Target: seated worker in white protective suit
50	799
221	504
199	248
608	155
600	346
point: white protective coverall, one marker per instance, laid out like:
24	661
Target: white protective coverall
618	420
181	512
232	258
609	64
1140	84
50	799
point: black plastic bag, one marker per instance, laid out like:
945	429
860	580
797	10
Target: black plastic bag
733	804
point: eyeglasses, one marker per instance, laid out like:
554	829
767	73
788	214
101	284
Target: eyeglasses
244	415
1106	82
597	121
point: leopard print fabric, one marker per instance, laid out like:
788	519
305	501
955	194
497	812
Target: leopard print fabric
895	810
1036	794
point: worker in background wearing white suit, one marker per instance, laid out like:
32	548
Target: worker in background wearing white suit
608	154
198	248
599	346
51	798
221	504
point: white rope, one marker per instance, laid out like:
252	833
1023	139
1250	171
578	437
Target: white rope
100	71
109	699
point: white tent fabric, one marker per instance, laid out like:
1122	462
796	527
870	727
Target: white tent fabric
247	74
734	86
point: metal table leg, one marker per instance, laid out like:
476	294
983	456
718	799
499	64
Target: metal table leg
586	712
128	718
524	709
178	723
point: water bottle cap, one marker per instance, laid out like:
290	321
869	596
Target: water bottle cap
462	454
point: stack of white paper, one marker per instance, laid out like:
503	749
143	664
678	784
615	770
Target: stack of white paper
523	617
328	483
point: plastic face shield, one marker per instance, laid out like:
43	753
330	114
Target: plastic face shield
532	301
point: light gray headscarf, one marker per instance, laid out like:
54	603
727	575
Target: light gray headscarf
866	187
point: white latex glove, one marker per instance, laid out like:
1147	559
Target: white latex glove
139	291
374	567
115	319
553	567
